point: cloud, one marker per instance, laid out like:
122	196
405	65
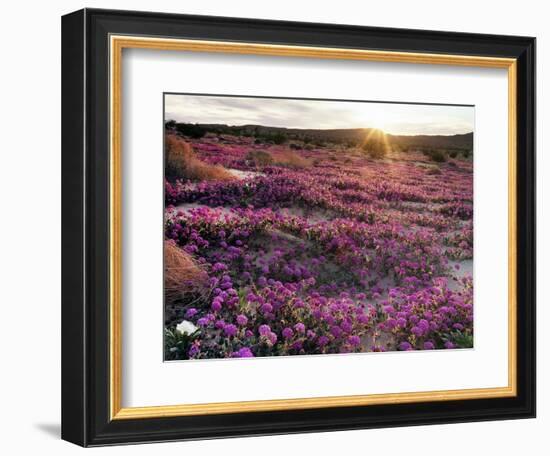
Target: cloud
391	117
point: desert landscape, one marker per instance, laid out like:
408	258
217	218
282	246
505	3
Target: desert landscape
303	241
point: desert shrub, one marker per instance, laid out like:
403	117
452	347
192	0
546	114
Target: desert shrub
287	158
182	163
291	159
272	138
170	124
191	130
294	146
437	156
375	147
178	154
376	153
278	138
453	153
260	158
181	273
466	154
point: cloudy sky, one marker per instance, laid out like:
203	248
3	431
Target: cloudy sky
397	119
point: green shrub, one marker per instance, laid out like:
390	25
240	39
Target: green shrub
375	148
191	130
278	138
436	156
376	144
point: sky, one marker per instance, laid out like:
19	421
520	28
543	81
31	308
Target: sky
396	119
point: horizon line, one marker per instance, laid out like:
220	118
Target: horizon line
317	129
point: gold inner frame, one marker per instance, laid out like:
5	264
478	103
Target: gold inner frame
117	44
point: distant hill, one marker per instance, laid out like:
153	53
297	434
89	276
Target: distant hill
464	141
351	136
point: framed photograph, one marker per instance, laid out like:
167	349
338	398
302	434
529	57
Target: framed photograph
280	227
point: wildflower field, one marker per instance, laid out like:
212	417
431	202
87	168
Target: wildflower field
292	247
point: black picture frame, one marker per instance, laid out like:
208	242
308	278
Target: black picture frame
85	225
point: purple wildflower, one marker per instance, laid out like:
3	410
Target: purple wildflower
287	333
191	312
264	330
299	327
230	330
242	320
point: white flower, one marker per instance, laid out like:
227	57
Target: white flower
186	327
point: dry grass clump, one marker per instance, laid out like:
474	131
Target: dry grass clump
181	273
260	158
286	157
182	163
291	159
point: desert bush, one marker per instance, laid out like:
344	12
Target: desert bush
272	138
178	154
377	153
181	273
436	155
375	147
453	153
260	158
291	159
278	138
182	163
191	130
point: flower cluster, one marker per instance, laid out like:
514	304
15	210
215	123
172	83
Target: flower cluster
280	319
434	317
348	255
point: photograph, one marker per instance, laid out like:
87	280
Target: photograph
313	226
